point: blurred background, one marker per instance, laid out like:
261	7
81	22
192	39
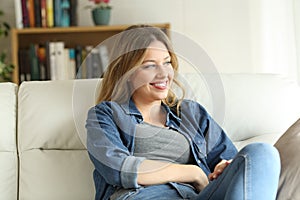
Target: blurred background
249	36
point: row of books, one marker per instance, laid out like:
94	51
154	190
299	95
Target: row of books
54	61
46	13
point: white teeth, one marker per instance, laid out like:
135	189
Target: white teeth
161	84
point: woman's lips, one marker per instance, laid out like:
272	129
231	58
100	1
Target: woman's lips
160	85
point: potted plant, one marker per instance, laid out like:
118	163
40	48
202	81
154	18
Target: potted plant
100	11
6	69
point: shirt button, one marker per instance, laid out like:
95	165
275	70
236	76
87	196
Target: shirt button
198	161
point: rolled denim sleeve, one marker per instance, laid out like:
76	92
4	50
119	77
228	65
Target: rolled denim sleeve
107	149
129	171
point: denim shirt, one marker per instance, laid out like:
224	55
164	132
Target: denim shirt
110	142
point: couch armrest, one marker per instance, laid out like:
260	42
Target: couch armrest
8	150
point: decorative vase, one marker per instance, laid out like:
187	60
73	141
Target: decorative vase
101	16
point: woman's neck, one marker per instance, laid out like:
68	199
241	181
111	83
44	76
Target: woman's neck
152	113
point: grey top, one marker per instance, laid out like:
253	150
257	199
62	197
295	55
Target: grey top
161	143
158	143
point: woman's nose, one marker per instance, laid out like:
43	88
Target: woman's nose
162	71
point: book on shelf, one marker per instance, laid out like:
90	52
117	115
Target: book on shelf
65	66
50	60
53	60
50	13
78	61
41	54
68	68
43	12
34	64
37	13
72	64
73	13
18	13
30	8
57	12
59	60
81	71
24	13
65	13
46	13
24	65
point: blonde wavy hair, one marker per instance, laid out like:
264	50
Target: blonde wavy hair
127	55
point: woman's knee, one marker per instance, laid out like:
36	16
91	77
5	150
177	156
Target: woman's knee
262	152
259	167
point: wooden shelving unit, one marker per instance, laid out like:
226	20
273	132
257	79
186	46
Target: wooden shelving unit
72	36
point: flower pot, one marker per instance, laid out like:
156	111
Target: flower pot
101	16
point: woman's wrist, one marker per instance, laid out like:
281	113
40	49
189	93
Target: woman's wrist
200	180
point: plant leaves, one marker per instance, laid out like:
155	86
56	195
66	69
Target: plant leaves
7	26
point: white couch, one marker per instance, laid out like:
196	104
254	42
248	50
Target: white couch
42	138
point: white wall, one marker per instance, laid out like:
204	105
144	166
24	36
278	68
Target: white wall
297	33
7	6
273	37
256	36
220	27
251	36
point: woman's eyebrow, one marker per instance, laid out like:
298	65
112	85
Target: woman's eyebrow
148	61
154	60
167	57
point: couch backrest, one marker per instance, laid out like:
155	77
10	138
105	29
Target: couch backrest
257	106
54	163
8	149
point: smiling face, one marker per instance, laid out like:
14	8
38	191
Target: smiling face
151	81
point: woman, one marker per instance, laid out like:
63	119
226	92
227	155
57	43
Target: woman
146	143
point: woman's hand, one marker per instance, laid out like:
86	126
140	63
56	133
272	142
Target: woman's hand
219	168
200	180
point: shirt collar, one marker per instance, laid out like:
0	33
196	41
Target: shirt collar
130	109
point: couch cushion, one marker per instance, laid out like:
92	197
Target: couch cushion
8	150
56	174
54	163
247	105
259	105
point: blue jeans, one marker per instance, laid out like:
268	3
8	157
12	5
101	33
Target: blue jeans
253	174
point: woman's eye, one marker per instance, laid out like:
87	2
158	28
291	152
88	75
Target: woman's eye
149	66
167	63
154	65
